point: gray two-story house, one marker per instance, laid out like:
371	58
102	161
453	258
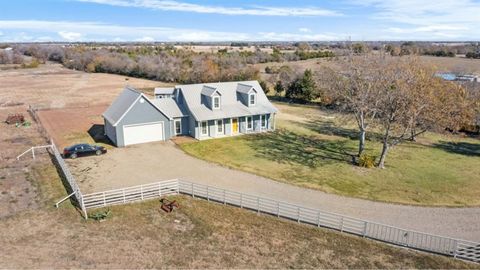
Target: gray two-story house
202	111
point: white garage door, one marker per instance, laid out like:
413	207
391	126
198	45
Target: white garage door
148	132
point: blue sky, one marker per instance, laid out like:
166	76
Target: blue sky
236	20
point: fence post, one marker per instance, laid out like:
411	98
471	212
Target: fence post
318	219
83	206
298	214
159	189
178	187
193	192
455	249
208	196
123	191
224	201
278	209
33	152
141	192
258	204
241	200
341	224
365	229
104	202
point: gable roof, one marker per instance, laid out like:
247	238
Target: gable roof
244	88
123	103
170	107
231	104
208	90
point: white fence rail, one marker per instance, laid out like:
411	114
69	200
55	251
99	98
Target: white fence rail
407	238
131	194
423	241
69	178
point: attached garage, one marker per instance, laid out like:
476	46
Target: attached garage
143	133
133	118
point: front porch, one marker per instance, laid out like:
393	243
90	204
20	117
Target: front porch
234	126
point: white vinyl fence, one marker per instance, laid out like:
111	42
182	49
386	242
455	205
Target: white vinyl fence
75	189
131	194
407	238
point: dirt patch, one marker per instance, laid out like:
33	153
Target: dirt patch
74	125
17	191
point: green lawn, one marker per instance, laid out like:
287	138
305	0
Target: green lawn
312	148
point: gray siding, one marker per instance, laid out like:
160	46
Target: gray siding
110	131
185	125
142	113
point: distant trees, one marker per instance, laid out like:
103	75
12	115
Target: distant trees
10	57
473	55
303	88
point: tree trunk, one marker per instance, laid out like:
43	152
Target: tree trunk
361	142
413	136
381	163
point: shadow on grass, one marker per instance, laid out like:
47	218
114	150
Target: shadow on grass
462	148
97	132
330	128
284	146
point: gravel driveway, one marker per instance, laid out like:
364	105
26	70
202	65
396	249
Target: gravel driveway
153	162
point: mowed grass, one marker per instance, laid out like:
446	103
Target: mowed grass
197	235
313	148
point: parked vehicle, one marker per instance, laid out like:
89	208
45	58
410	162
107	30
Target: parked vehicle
83	149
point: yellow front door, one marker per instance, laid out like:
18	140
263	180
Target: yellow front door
235	125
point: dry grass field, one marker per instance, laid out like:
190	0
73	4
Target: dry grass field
444	64
53	86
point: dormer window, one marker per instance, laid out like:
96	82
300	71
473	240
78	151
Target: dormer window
252	99
216	102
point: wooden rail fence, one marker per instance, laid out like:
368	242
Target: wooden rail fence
457	248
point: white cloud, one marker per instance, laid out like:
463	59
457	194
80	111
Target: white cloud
171	5
304	30
70	36
145	39
442	18
79	31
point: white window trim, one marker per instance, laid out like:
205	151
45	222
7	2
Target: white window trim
246	122
264	121
216	127
219	103
254	99
175	126
201	128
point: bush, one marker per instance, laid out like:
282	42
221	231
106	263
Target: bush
366	161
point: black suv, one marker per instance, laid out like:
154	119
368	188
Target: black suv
83	149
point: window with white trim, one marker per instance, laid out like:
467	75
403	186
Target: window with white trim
178	127
252	99
263	120
204	128
249	123
220	126
216	102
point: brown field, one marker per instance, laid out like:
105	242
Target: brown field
444	64
74	125
53	86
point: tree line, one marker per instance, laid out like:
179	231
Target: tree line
399	97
